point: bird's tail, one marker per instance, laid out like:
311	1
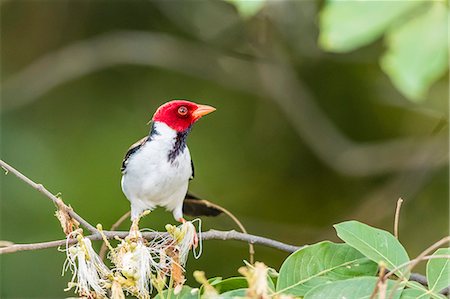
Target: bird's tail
194	206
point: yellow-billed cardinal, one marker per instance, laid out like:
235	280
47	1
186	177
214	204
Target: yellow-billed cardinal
157	169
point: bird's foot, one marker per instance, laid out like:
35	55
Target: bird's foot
134	229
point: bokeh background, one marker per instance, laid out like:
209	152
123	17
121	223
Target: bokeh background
303	137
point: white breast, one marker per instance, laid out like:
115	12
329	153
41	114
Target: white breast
152	180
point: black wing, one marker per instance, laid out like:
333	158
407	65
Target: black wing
194	206
133	148
193	171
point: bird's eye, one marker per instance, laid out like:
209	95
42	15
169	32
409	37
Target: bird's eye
182	111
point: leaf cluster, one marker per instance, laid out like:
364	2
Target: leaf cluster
415	36
358	268
414	32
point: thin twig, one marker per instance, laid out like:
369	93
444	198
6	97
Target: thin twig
380	282
208	235
397	216
411	264
104	248
422	279
119	222
424	258
56	200
251	248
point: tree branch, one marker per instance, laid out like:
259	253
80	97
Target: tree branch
208	235
56	200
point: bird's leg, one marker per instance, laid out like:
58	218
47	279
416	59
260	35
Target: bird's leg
134	229
195	241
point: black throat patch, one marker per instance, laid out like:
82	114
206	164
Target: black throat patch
179	146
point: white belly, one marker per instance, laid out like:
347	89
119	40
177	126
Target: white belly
151	180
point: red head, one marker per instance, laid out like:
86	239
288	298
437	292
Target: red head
181	114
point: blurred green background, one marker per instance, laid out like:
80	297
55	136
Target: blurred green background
302	138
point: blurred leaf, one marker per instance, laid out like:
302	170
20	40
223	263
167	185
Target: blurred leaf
209	20
417	52
184	294
233	294
376	244
438	271
271	281
229	284
416	290
248	8
320	263
214	280
347	25
354	288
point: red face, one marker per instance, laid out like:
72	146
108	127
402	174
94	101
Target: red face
181	114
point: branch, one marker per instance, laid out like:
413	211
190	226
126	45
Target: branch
56	200
208	235
212	234
397	216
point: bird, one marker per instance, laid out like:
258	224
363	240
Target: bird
157	169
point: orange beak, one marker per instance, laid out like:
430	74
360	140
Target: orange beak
202	110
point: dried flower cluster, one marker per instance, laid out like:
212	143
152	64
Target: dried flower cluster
139	265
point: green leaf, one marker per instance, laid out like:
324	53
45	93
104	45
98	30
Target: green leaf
414	294
378	245
354	288
320	263
418	52
214	280
347	25
438	271
233	294
184	294
415	290
230	284
271	283
246	8
420	290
